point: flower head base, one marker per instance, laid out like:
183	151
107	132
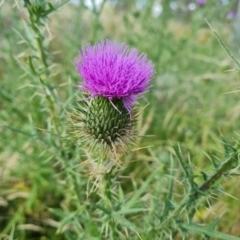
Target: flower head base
113	71
100	128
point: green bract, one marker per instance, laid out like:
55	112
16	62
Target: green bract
102	125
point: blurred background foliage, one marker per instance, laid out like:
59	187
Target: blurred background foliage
194	101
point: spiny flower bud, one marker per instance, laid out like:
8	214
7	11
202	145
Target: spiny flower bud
113	78
102	125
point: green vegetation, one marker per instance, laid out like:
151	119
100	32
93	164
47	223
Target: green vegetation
180	180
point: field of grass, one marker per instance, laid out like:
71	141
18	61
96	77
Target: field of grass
188	125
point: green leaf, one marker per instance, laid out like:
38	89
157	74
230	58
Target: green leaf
168	205
186	167
208	231
141	190
132	210
225	47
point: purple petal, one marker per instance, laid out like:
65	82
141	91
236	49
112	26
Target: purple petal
112	70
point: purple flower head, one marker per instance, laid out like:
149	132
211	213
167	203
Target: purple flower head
201	2
113	71
231	15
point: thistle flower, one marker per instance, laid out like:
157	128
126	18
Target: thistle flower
113	71
201	2
114	77
231	15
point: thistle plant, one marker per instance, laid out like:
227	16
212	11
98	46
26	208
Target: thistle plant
114	77
158	193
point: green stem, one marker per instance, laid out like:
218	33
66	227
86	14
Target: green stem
204	188
96	24
108	198
208	232
214	178
43	58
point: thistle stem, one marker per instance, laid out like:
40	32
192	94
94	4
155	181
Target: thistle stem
191	198
95	25
43	59
215	177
